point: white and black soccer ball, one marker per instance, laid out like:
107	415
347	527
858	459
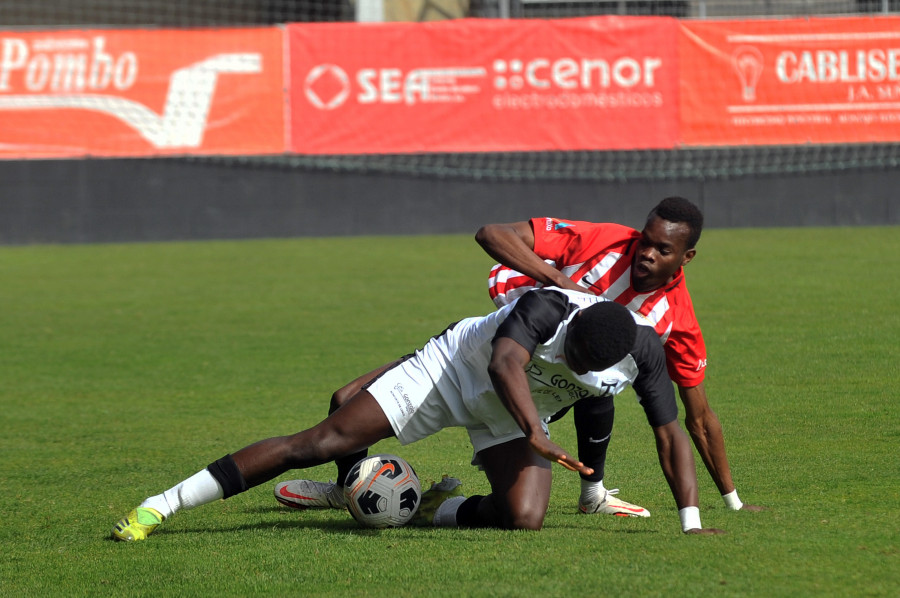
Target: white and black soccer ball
382	491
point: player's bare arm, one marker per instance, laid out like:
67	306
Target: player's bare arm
512	245
706	431
507	372
677	461
709	438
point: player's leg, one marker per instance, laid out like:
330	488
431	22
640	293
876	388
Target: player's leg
311	494
358	424
341	396
416	408
520	491
593	425
520	486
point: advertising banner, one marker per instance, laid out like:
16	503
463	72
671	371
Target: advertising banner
141	92
484	85
824	80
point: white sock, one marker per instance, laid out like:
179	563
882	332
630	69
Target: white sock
591	492
199	489
445	515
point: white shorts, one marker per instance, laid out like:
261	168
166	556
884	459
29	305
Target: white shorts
417	408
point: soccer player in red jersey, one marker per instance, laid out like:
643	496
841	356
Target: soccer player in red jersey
643	270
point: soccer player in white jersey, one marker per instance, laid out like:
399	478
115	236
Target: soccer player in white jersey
644	271
499	376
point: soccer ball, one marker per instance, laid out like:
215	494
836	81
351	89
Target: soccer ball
382	491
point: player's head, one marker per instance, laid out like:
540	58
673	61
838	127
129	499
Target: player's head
667	243
599	337
679	210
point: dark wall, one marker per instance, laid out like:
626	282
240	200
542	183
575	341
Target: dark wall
87	201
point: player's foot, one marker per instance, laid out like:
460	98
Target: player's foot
307	494
611	505
434	497
137	525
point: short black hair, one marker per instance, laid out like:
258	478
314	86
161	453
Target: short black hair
611	330
679	209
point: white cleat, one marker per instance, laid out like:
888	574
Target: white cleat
307	494
611	505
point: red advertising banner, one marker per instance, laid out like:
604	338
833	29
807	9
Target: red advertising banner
484	85
141	92
825	80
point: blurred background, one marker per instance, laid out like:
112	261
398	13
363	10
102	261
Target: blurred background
115	199
222	12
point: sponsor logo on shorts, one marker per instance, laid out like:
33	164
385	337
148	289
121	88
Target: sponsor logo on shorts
402	399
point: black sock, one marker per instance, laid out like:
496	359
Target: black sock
345	464
226	472
593	424
467	513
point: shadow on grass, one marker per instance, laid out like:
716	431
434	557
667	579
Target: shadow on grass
324	521
293	519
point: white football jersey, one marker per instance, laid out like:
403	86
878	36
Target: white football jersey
457	361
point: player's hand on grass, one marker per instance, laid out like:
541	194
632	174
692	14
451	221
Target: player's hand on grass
707	531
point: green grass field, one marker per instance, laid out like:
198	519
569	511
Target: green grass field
126	368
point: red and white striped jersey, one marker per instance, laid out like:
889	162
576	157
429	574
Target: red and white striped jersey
597	256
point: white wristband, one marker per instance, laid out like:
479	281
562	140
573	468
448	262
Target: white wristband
732	501
690	518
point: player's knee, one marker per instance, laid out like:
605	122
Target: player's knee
497	511
340	396
525	515
526	518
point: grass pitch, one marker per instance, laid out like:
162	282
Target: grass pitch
126	368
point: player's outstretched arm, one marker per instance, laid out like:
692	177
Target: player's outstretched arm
677	461
507	371
706	432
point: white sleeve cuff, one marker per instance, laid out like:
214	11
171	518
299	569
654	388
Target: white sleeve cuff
690	518
732	501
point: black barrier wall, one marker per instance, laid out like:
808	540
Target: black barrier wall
91	201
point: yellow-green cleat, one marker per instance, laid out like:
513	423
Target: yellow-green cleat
137	525
433	498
